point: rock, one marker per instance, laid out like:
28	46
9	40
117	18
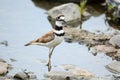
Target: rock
117	55
103	78
70	10
64	75
116	6
58	75
115	41
103	49
81	72
32	75
72	74
25	75
85	37
3	68
113	13
77	35
5	78
21	76
2	60
114	67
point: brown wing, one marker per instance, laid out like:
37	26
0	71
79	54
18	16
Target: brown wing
46	38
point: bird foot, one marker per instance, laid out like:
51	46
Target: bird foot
49	66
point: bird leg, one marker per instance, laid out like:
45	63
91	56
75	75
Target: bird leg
49	61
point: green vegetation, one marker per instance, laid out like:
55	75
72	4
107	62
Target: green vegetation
110	7
83	6
82	10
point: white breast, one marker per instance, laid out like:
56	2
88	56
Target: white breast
56	41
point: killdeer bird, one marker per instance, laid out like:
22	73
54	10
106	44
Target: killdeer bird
52	38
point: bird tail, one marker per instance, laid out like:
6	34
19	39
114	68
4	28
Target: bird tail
30	43
27	44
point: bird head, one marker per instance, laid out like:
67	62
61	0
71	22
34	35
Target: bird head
60	20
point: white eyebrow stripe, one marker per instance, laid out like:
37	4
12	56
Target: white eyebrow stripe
62	17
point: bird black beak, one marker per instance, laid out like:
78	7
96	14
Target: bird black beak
64	23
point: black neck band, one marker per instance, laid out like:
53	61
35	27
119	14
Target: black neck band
58	27
61	34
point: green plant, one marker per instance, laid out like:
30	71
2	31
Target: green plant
82	10
110	7
82	6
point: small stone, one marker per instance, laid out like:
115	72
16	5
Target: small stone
25	75
32	75
21	76
115	41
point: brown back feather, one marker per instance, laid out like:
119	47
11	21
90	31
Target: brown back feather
46	38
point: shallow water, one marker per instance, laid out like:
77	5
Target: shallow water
21	21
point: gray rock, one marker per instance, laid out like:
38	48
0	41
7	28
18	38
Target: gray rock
73	74
25	76
103	49
70	10
21	76
5	78
114	67
103	78
85	37
117	55
115	41
58	75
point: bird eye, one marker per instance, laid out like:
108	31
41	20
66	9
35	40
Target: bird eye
61	17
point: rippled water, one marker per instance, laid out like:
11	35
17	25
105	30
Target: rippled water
21	21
